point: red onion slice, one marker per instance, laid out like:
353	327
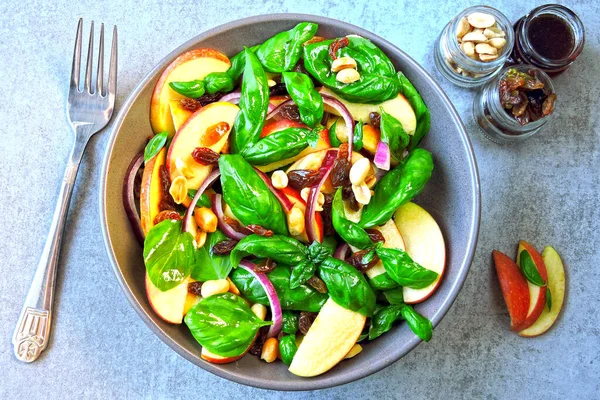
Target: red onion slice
382	156
234	98
128	198
340	252
263	279
348	119
313	196
277	110
286	203
224	226
187	218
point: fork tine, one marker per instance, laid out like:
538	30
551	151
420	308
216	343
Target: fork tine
76	58
112	71
90	60
100	77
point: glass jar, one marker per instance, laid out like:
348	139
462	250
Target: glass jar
494	121
524	52
456	66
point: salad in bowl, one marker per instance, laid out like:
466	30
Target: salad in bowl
273	201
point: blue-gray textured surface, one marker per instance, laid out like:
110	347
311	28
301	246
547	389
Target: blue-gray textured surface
545	190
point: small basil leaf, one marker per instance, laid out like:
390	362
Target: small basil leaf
333	139
288	348
168	254
155	144
301	273
191	89
279	248
349	231
382	282
203	201
530	270
218	82
278	146
224	324
420	325
281	52
357	141
290	322
402	269
548	299
394	296
309	101
317	252
330	243
382	320
208	265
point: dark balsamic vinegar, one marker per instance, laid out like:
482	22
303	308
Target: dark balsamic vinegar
551	37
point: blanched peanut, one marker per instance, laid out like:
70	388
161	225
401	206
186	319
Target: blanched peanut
320	202
178	189
476	37
259	310
462	28
497	42
304	193
270	350
488	57
279	179
295	221
232	288
357	348
183	168
271	82
342	63
217	286
206	219
362	193
481	20
359	171
494	32
484	48
200	238
348	75
468	48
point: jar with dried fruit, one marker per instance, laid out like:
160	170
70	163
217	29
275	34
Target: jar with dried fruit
474	46
514	105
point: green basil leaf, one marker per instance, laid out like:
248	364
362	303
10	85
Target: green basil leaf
191	89
394	296
168	254
418	105
303	298
357	142
155	144
290	322
208	265
378	81
548	298
288	348
382	320
279	248
301	273
330	243
349	231
277	146
281	52
218	82
317	252
382	282
248	195
203	201
530	270
393	134
420	325
254	102
346	286
224	324
404	270
313	137
333	139
397	187
309	101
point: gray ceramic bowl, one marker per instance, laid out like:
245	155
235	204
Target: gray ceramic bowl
452	197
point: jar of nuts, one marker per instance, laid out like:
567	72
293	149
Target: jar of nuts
474	46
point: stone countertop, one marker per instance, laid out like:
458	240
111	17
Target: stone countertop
545	190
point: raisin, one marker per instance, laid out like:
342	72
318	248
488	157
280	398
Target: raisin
291	112
317	284
301	178
205	156
343	150
215	133
358	261
206	99
224	247
305	321
166	202
265	266
548	105
340	173
375	119
315	39
166	214
328	229
348	195
520	109
192	105
375	235
278	90
259	230
194	288
235	225
336	45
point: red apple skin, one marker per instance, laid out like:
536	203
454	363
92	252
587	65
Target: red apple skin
541	300
514	289
280	125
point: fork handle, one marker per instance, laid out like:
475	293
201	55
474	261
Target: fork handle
33	328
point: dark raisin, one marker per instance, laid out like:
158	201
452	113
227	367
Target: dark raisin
375	235
336	45
361	262
278	90
205	156
215	133
195	288
166	214
209	98
192	105
259	230
291	112
317	284
348	195
166	202
305	321
256	349
548	105
375	119
265	266
235	225
224	247
301	178
340	173
326	215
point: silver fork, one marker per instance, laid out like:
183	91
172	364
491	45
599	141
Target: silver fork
89	111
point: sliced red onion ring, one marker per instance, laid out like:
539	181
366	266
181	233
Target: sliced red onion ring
224	226
382	156
340	252
348	119
234	98
128	198
263	279
313	196
277	110
187	219
286	203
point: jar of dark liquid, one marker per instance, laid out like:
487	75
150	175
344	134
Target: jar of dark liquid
550	37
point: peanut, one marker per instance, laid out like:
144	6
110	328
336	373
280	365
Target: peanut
206	219
183	168
279	179
200	238
481	20
497	42
178	189
362	193
259	310
462	28
484	48
359	171
270	350
296	221
342	63
468	48
232	288
348	75
488	57
494	32
271	83
304	193
476	37
217	286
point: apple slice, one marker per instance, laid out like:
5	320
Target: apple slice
424	244
393	240
198	131
398	107
170	304
179	114
514	289
329	339
556	283
537	295
151	191
192	65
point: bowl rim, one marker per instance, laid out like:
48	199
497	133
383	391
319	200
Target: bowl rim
308	384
